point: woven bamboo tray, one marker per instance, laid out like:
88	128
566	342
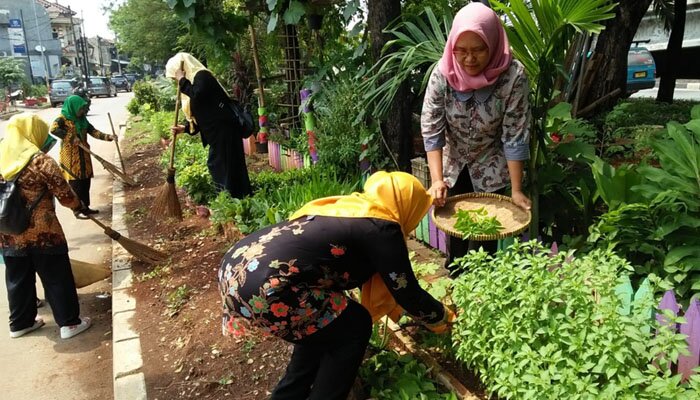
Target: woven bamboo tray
513	218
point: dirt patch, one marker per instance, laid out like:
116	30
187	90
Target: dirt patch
178	304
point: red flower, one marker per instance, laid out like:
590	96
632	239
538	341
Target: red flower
556	137
338	302
311	329
337	251
279	309
235	328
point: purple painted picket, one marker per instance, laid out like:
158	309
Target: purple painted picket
691	329
442	241
432	232
273	151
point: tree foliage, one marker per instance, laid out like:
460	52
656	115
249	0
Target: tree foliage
147	30
11	71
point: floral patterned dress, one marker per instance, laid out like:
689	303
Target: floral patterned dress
290	279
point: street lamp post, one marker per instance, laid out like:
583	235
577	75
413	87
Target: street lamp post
41	47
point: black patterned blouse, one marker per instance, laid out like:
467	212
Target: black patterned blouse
290	278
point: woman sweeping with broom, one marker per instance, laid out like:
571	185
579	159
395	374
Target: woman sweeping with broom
41	248
206	106
72	127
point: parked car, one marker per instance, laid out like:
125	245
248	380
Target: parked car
101	86
120	82
132	78
641	69
60	89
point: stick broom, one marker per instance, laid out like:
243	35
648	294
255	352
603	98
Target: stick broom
166	203
139	250
116	142
111	168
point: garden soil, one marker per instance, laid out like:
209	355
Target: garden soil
179	309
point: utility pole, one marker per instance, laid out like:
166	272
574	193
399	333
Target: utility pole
47	73
26	47
85	44
79	53
116	50
99	52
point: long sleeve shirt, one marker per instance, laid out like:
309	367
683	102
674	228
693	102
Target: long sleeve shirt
72	157
480	130
44	234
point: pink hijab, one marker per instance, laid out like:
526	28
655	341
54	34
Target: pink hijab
477	18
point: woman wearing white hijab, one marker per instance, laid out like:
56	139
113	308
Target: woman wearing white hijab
205	104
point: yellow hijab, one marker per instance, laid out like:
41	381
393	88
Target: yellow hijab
191	66
392	196
24	136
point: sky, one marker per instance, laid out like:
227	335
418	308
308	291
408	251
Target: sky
96	22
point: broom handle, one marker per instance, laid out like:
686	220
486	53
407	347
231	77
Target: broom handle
100	159
177	117
116	142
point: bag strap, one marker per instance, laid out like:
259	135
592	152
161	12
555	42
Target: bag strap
43	192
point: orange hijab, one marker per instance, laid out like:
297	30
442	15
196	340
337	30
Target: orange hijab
392	196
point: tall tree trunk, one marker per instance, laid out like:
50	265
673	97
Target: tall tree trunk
397	126
673	52
610	55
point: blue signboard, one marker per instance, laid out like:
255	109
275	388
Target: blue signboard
19	49
15	23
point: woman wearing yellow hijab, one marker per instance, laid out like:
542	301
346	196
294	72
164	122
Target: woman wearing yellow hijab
205	104
290	279
42	248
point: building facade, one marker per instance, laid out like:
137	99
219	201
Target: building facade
25	32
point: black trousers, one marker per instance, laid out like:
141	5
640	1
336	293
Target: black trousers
324	365
81	187
56	277
457	247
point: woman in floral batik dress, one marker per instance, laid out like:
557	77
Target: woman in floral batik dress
290	280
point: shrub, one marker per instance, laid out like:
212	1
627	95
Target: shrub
634	112
541	326
133	106
145	93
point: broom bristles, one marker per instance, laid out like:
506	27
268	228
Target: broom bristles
142	251
166	203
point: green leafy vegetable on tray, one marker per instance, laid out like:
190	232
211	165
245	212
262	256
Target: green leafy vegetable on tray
476	222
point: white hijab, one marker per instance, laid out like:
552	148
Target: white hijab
191	66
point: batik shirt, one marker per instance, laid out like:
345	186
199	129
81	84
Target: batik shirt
44	235
480	129
72	157
290	279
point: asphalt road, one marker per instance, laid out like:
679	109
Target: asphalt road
41	365
678	94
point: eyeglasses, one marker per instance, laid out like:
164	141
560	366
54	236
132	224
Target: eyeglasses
461	54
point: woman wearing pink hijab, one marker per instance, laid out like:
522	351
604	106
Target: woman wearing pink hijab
475	118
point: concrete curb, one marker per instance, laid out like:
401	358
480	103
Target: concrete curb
127	364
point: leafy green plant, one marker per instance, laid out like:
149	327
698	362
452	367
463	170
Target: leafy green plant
390	376
536	325
146	93
657	222
192	172
476	222
416	49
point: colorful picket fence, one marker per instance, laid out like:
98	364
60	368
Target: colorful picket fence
429	234
282	158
